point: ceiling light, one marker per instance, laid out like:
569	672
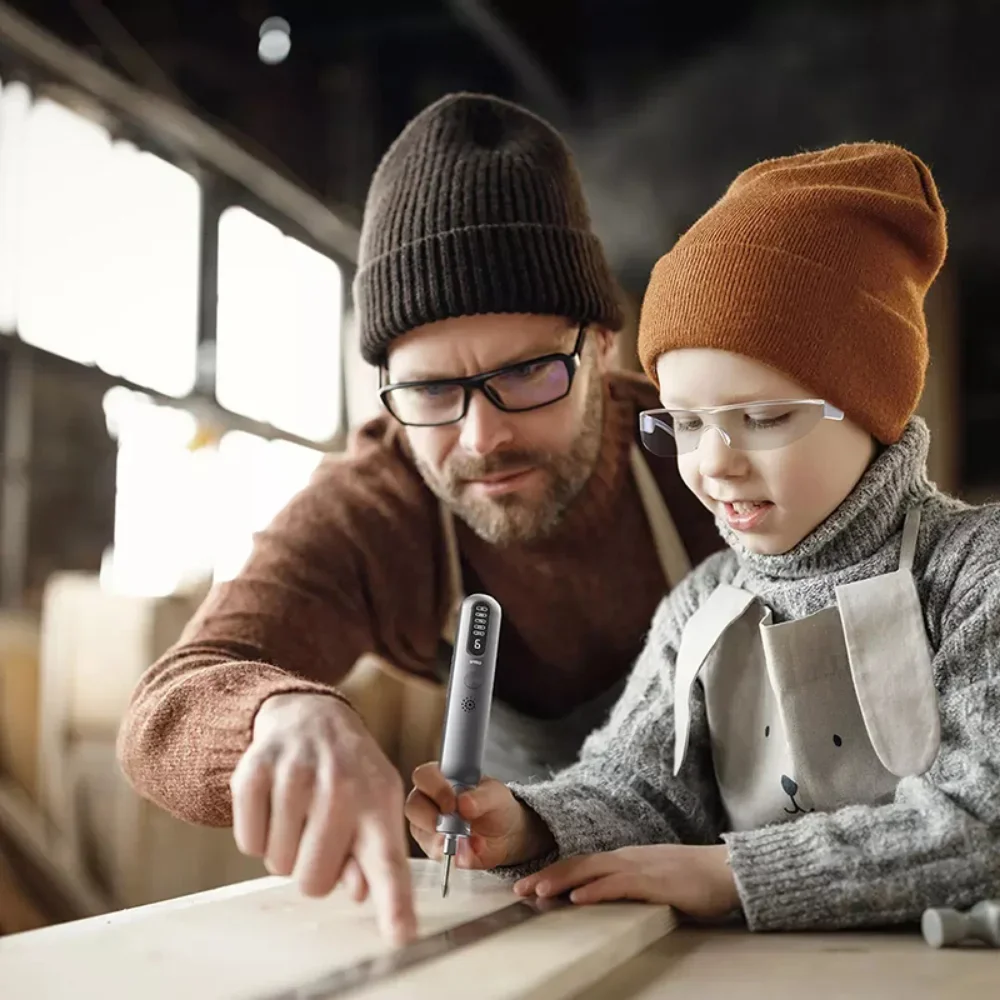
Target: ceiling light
275	40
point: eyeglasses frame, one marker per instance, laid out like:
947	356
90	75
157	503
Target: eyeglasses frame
469	383
830	412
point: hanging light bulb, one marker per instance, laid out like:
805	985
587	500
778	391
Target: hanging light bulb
275	40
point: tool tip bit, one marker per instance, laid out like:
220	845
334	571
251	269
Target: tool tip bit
445	874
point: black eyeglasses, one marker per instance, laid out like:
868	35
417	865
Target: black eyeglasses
526	385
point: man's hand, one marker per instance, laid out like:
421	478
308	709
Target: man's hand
503	831
315	797
696	881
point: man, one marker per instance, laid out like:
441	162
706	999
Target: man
506	462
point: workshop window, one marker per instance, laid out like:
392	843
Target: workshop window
278	328
15	105
166	498
187	500
257	478
100	253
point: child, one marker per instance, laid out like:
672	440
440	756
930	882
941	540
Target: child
812	733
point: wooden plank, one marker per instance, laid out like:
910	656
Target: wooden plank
718	964
19	698
94	647
265	936
42	860
18	911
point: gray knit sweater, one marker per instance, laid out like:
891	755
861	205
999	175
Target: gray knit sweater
937	843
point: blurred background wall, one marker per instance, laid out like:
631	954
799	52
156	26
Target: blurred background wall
179	203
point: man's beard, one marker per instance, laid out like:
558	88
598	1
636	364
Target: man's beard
512	518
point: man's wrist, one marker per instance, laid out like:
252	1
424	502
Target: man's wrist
281	700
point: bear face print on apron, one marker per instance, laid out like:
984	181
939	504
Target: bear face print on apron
815	713
523	748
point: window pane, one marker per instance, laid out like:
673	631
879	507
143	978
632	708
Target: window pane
15	102
278	328
186	509
165	501
65	232
107	253
150	333
259	478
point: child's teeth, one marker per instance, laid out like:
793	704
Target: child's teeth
744	507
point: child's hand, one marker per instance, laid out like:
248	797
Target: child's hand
504	832
694	880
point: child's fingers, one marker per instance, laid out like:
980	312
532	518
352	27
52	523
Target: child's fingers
432	844
468	855
605	889
564	875
488	796
421	811
428	779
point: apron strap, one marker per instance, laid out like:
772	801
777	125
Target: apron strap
669	547
701	635
891	662
911	528
893	670
453	567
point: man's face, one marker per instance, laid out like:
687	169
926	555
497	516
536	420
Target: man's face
510	476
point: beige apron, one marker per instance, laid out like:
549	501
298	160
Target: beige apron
816	713
520	747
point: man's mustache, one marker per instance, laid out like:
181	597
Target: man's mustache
466	467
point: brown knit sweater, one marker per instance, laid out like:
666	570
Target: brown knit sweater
355	564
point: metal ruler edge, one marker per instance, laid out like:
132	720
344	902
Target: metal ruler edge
343	980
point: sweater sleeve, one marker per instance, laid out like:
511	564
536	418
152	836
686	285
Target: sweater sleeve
937	843
622	790
345	569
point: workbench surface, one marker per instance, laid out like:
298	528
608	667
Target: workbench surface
247	940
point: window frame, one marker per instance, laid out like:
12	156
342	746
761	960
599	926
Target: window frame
226	176
218	192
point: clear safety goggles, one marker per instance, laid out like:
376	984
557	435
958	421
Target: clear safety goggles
761	426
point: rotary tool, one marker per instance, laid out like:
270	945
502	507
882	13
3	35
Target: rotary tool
467	711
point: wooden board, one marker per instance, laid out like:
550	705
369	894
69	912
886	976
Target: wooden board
19	699
722	964
18	911
242	941
43	859
95	645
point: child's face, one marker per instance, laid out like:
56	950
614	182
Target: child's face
771	498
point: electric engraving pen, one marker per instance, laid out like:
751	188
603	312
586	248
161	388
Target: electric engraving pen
467	710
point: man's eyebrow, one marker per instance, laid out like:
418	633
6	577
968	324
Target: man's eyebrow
528	354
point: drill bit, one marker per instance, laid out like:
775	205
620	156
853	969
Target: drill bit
444	878
450	845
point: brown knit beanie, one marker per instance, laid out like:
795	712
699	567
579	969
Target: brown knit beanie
817	265
477	207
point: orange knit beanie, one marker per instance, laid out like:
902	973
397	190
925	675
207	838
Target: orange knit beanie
817	265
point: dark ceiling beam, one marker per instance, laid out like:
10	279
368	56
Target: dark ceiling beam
539	87
116	41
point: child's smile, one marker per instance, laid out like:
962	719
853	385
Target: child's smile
745	515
